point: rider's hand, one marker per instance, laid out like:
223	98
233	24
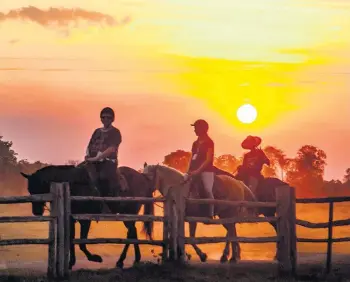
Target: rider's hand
187	176
94	159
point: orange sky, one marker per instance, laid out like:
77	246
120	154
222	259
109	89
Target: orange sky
163	64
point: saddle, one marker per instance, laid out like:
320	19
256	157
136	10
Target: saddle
124	186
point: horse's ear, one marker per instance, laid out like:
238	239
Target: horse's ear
145	164
24	175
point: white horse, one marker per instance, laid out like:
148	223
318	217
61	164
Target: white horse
225	187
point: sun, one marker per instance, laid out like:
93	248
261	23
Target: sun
247	113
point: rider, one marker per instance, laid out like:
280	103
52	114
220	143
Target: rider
102	154
253	161
202	159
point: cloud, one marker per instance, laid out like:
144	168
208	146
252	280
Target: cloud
62	17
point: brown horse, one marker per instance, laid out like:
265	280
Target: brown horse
225	187
78	178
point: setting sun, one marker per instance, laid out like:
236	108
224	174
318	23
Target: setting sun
247	113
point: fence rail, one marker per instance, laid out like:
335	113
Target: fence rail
26	199
330	224
174	240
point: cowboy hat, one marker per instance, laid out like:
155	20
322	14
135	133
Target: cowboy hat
251	142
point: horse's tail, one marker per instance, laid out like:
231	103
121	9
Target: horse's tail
147	228
250	196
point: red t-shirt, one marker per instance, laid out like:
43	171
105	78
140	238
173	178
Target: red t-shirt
253	161
199	152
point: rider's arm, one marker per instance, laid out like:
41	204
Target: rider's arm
191	160
87	153
265	158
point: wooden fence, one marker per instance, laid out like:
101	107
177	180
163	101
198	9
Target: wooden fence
173	225
330	224
51	241
285	218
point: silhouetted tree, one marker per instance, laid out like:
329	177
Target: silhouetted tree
227	162
346	178
334	188
305	172
278	160
179	160
268	171
8	158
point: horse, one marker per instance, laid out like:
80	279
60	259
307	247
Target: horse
78	178
265	192
225	187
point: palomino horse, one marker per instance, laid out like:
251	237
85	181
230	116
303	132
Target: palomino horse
225	187
139	186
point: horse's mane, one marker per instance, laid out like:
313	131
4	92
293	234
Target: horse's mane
58	167
167	167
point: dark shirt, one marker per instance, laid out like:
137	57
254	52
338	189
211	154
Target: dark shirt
199	152
102	139
253	161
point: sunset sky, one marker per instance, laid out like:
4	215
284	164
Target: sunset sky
162	64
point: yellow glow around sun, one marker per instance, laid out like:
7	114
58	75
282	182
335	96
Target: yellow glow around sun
247	113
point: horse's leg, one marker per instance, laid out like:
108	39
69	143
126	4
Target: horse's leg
132	234
72	259
84	231
226	252
203	256
268	213
236	248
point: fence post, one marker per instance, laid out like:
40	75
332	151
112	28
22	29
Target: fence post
283	229
181	208
52	248
173	225
330	238
60	229
293	231
166	228
67	219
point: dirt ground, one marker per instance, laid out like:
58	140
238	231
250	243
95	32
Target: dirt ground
195	272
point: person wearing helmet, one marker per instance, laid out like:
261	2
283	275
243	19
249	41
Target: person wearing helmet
253	162
202	162
102	154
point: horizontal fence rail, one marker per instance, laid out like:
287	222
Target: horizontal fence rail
13	219
330	224
232	203
118	217
26	199
117	199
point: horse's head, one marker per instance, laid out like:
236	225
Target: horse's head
40	181
162	176
37	186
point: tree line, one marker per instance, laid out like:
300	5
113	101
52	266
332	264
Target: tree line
304	171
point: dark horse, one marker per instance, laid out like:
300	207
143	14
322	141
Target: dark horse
139	186
265	192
